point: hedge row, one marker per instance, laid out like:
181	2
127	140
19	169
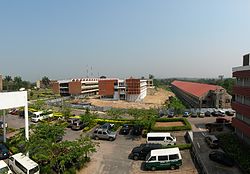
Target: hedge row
120	121
180	146
186	126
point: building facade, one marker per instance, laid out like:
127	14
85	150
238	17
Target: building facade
199	95
129	89
241	90
84	86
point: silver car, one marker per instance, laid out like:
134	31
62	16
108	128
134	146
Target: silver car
104	134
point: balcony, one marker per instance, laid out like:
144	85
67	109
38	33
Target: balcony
245	128
240	90
242	109
242	73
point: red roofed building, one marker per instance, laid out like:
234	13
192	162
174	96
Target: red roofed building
241	90
200	95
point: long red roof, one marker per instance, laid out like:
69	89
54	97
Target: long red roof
196	89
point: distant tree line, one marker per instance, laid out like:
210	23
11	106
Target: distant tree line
15	83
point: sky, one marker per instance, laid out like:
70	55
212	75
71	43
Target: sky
72	39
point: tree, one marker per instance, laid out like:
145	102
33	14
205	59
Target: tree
7	80
151	76
46	81
17	82
115	113
88	117
38	105
66	111
57	157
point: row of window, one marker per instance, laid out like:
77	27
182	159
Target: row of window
243	81
242	99
165	157
243	118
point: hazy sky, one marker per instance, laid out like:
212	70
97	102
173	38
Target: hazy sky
169	38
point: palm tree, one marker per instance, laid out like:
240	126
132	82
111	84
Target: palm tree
17	82
46	81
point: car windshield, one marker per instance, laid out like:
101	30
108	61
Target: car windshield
4	170
34	170
172	136
148	156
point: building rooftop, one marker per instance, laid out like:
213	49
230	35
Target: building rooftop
196	89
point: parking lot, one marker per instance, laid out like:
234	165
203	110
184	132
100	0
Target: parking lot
112	157
203	150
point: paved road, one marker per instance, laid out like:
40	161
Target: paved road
199	132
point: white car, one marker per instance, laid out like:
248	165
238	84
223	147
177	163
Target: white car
4	168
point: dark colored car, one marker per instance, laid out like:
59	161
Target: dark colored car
4	152
78	125
136	130
171	114
214	127
108	126
221	157
222	120
207	114
71	122
125	129
229	113
141	151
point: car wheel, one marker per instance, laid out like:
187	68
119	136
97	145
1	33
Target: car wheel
172	167
111	139
153	168
135	157
96	138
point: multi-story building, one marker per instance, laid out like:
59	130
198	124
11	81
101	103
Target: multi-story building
241	90
129	89
199	95
150	83
84	86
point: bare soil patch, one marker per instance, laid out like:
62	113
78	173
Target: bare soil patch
169	124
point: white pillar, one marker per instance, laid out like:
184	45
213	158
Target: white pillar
4	127
26	116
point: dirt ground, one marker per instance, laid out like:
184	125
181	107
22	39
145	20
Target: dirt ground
168	124
154	99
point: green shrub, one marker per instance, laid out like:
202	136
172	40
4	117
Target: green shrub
180	146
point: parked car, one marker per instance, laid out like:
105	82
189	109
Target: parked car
14	111
207	114
108	126
78	125
222	120
4	152
136	130
4	168
125	129
140	152
230	113
221	157
214	127
1	124
212	141
194	114
71	122
217	113
104	134
171	114
201	114
186	114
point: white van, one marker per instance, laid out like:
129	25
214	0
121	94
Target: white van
161	137
40	115
22	164
163	159
4	168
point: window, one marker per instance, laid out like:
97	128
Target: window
20	166
95	132
173	157
169	138
156	138
153	158
34	170
104	133
163	158
100	132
